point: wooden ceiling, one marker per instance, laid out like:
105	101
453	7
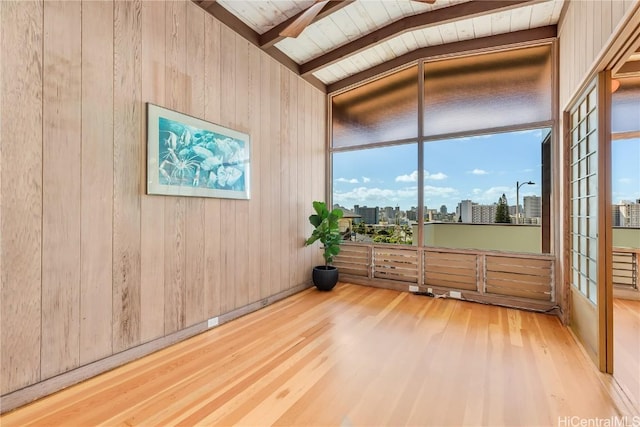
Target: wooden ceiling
353	40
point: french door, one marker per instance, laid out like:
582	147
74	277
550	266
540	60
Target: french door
588	157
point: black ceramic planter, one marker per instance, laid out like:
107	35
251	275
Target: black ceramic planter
325	277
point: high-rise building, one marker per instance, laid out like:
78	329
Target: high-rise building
412	214
443	209
630	213
464	210
616	219
483	214
369	215
390	213
532	207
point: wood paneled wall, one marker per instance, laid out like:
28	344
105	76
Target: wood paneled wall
583	33
92	266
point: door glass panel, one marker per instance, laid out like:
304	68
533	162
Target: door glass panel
584	190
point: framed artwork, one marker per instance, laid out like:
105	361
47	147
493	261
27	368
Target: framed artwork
187	156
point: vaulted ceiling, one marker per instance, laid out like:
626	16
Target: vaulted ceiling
349	41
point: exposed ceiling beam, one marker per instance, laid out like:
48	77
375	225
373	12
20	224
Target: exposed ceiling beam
273	36
231	21
427	19
483	43
629	69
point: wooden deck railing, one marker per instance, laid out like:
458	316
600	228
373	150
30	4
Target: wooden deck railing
488	276
626	264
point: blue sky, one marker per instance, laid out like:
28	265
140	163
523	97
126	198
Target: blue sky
625	170
478	168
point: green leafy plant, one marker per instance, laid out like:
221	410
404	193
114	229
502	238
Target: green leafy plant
327	230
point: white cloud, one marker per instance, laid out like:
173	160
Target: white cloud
348	181
436	176
625	180
365	179
477	191
430	190
413	177
479	172
364	196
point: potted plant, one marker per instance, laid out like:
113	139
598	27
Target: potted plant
327	231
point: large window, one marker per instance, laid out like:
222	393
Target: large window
456	158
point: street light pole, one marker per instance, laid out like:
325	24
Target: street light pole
518	185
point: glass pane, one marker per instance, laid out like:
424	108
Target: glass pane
377	189
383	110
464	181
487	91
593	291
576	279
592	100
592	121
625	115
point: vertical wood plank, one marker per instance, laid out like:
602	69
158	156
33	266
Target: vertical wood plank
296	131
175	207
212	206
21	35
241	238
305	197
97	182
152	243
285	159
61	187
195	226
128	115
263	182
227	207
254	225
276	257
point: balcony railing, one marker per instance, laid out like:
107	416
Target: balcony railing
626	264
523	280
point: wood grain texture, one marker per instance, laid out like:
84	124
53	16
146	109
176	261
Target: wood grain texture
97	182
128	115
21	35
263	183
626	350
241	239
581	44
142	266
176	97
212	242
255	114
356	356
152	207
287	111
61	175
195	214
228	266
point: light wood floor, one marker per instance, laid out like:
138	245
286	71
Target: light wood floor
626	347
354	356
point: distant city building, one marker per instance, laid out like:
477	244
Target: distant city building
483	214
532	206
443	209
464	210
369	215
616	219
390	213
630	213
412	214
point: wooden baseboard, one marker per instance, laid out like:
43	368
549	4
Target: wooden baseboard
36	391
